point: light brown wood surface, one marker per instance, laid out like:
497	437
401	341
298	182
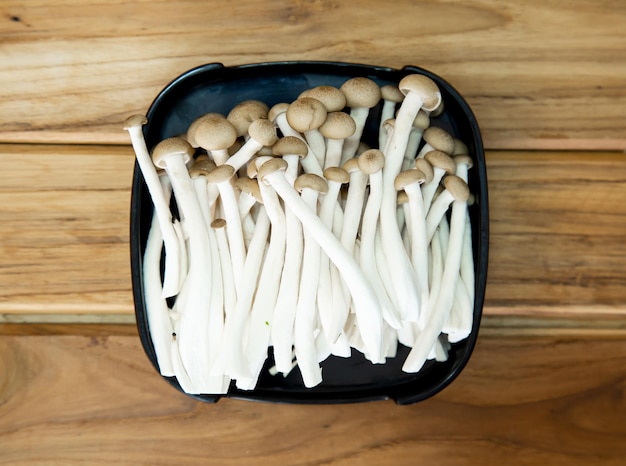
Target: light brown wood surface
537	74
96	400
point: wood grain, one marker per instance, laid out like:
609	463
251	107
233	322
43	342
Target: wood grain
540	74
96	400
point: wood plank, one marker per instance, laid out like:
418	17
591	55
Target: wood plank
558	234
540	74
95	400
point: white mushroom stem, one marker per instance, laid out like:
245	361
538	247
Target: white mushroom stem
455	186
371	162
262	133
354	204
459	323
228	279
391	96
262	313
467	262
233	351
366	304
439	314
172	279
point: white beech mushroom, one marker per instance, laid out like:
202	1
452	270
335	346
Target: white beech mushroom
249	196
420	124
442	165
427	338
216	135
244	113
292	150
333	99
262	313
391	96
361	95
191	130
172	154
173	252
337	128
330	292
410	181
366	304
455	188
354	203
371	162
306	115
436	138
228	279
262	132
309	186
278	116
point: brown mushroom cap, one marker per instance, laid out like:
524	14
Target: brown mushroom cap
306	114
439	139
332	98
276	110
263	131
423	86
221	174
459	147
457	187
409	177
290	145
336	174
351	165
371	161
465	159
134	121
202	166
244	113
403	197
338	125
422	120
218	223
212	132
311	181
438	110
271	166
250	186
391	93
441	160
426	168
169	147
361	92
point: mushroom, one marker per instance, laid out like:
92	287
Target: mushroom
278	115
361	95
391	96
354	203
215	134
172	154
427	338
172	275
228	279
410	181
306	115
244	113
420	124
337	128
333	99
371	163
436	138
292	150
442	165
262	133
249	197
455	189
366	304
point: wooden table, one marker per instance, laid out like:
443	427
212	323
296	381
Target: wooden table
546	383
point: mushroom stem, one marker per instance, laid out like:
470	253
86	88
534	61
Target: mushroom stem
367	307
354	204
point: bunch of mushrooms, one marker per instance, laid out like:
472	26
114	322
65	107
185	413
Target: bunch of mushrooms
291	232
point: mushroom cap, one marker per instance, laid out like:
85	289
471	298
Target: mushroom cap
390	92
221	173
212	132
463	158
423	86
171	147
422	120
336	174
290	145
438	110
263	131
271	166
361	92
441	160
439	139
457	187
403	197
135	121
459	147
351	165
371	161
306	114
251	168
218	223
389	124
276	110
409	177
245	113
201	167
333	99
311	181
250	186
426	168
191	130
338	125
